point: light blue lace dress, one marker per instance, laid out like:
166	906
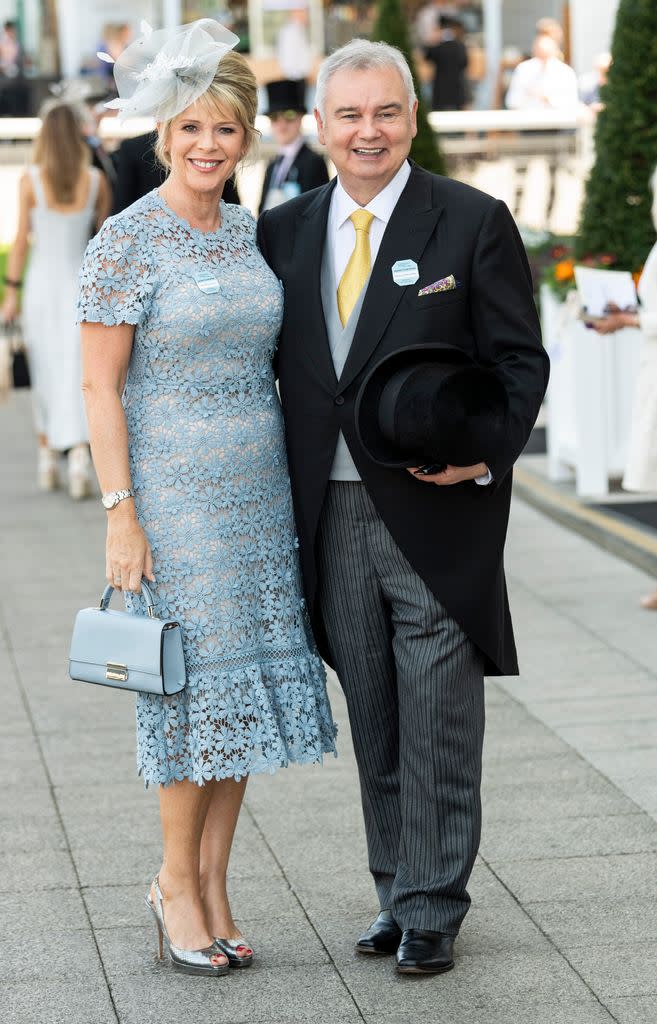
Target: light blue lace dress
208	464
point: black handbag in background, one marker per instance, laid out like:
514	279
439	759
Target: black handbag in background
14	368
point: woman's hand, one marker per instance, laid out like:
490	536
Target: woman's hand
614	322
128	553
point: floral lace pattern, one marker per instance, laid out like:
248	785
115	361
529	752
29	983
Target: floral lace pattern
208	464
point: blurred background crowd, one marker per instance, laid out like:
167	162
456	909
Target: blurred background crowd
466	50
511	90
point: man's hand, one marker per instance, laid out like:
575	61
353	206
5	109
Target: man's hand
452	474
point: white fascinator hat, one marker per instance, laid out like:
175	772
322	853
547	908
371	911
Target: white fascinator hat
164	71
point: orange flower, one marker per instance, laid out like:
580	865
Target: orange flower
564	271
637	276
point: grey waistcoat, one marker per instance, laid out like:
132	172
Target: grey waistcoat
340	339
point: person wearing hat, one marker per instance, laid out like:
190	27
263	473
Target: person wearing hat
411	372
138	172
179	319
296	168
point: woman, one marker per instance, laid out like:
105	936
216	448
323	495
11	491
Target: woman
181	316
62	201
641	470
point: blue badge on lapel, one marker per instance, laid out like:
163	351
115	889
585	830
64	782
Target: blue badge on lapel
405	272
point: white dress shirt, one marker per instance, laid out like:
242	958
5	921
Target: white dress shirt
341	233
542	85
289	154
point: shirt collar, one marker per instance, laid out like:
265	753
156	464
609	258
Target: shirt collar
290	151
381	206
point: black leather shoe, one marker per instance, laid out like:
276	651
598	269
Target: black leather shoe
383	936
425	952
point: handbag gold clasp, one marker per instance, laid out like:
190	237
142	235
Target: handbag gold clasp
116	672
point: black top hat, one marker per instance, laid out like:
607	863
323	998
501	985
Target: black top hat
430	404
286	94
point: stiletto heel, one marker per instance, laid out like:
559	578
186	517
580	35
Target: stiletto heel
188	961
160	935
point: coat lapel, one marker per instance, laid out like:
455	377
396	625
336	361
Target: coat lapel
409	229
307	261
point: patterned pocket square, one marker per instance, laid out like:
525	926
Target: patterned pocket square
445	284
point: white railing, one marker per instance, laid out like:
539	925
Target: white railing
447	122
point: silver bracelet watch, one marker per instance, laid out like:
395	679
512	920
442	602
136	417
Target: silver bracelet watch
112	498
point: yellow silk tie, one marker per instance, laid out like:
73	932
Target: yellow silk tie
358	267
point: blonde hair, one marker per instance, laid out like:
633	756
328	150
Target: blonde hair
233	88
60	151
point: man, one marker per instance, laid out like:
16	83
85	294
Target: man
403	574
543	82
450	60
297	168
293	50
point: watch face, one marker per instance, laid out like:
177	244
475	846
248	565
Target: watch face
109	500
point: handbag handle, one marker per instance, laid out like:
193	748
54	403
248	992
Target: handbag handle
146	591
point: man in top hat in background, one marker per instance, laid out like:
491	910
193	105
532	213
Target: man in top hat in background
297	168
403	571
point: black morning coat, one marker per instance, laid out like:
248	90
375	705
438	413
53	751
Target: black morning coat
308	169
452	536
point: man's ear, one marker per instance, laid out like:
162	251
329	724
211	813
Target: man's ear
414	119
320	127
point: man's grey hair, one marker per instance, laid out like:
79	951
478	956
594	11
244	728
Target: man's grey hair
362	55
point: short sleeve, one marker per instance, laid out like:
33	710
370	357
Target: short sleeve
116	279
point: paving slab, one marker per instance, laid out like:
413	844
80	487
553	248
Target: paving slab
23	914
503	1011
579	878
38	868
284	996
634	1009
538	976
569	837
598	922
59	1001
611	735
545	801
64	952
624	969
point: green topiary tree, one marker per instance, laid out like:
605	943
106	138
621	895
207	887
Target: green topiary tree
391	28
616	216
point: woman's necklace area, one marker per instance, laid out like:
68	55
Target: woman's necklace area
188	214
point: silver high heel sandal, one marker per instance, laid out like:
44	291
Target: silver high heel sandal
231	947
189	961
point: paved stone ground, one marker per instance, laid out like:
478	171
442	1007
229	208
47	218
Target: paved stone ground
563	928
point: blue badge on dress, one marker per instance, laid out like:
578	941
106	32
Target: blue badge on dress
207	282
405	272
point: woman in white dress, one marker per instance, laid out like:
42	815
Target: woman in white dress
641	469
62	202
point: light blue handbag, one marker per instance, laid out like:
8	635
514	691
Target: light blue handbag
131	652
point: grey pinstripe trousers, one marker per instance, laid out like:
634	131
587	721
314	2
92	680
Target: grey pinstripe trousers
414	688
